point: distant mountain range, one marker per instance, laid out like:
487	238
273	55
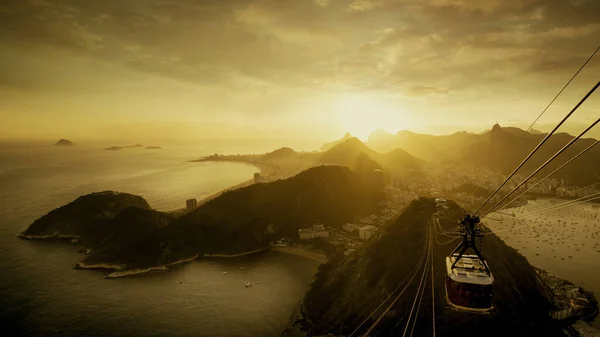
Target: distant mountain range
397	162
348	151
489	148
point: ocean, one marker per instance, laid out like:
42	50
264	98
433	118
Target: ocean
565	242
41	295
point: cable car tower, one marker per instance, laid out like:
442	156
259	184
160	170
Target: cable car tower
468	277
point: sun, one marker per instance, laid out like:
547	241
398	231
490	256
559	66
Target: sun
362	114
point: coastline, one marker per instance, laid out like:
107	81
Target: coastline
303	252
261	168
229	256
120	271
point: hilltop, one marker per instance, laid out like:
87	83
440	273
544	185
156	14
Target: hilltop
329	145
122	232
64	142
397	162
87	218
348	289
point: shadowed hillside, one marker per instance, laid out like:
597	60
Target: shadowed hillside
397	162
238	221
349	288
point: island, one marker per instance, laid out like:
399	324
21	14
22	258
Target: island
118	148
153	147
64	142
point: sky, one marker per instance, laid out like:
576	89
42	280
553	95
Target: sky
190	70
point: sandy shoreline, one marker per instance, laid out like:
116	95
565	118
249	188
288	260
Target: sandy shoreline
261	168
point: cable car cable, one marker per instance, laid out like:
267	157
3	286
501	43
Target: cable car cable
432	293
540	145
545	164
418	264
414	274
540	115
548	176
563	205
418	290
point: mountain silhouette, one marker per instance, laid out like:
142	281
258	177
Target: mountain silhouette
64	142
489	148
397	162
328	146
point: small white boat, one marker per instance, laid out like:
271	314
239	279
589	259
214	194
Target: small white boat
248	284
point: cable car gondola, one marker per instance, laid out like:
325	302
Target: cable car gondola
469	281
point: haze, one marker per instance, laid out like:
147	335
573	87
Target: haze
277	69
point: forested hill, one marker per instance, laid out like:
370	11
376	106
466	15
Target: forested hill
121	230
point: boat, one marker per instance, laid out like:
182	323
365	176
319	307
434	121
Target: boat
248	284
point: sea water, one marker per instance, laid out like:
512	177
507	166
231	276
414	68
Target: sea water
40	293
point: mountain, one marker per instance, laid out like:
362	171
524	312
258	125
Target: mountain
64	142
397	162
250	218
121	232
349	288
282	153
346	152
428	147
87	217
488	149
328	146
492	147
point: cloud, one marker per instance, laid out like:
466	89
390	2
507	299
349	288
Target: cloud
357	6
425	49
424	90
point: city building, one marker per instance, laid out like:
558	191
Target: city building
366	232
350	228
312	233
191	204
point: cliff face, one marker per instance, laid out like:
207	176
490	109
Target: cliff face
87	217
348	289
